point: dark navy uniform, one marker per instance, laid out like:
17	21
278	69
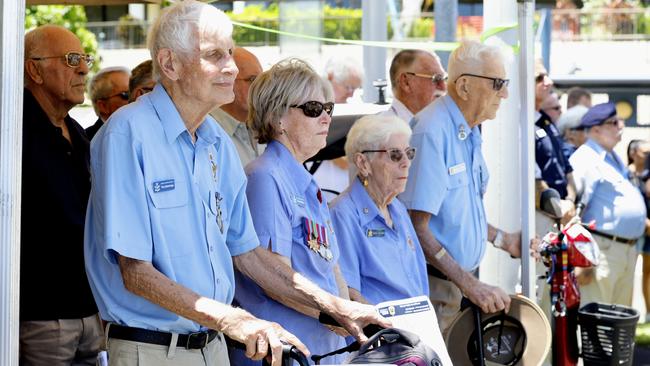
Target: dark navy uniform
549	156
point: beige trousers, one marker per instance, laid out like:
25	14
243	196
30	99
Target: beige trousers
614	277
128	353
61	342
445	298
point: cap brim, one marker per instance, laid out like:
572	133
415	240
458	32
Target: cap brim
536	326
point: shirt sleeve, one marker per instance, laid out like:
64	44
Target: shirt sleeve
345	227
428	180
241	236
120	199
270	217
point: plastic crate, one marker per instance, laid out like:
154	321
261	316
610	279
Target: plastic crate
607	333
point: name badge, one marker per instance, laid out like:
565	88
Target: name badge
375	233
300	201
457	169
540	133
163	186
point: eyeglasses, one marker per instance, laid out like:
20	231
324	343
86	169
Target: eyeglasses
497	84
124	95
436	79
556	108
72	59
396	155
539	78
613	122
249	79
314	109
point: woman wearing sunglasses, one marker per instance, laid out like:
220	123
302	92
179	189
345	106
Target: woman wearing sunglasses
381	258
290	109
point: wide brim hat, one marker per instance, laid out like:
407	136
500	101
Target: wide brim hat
524	331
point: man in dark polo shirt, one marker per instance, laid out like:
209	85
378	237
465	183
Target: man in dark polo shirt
58	316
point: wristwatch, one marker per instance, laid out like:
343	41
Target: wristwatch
498	239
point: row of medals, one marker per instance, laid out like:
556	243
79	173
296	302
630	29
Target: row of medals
319	246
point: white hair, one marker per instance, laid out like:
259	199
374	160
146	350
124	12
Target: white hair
471	56
180	28
101	86
370	133
342	68
571	118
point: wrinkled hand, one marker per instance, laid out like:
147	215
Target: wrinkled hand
354	316
584	276
259	335
489	298
568	211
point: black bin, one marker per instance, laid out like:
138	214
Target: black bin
607	333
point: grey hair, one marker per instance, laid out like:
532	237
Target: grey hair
370	133
471	56
290	81
571	118
180	28
342	68
101	86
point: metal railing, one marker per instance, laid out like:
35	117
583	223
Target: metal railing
602	24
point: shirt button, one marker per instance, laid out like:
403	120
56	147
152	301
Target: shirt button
211	248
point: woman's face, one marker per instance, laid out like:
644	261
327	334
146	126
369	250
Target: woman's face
386	175
307	135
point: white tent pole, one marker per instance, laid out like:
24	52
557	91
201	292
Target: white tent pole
373	28
11	111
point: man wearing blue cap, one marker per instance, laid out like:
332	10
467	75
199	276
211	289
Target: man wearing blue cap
609	198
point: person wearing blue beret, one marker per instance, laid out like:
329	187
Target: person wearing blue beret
607	197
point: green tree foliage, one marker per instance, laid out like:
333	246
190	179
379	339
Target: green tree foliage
70	17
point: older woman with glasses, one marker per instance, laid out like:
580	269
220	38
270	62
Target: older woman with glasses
290	109
381	258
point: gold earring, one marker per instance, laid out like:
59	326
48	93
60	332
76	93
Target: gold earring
364	181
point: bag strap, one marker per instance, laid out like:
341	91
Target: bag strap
349	348
400	335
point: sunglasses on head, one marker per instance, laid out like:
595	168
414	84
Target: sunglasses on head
72	59
124	95
314	109
396	155
497	83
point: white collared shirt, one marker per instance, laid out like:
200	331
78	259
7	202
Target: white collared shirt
398	109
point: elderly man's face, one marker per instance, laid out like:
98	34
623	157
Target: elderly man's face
483	94
345	89
119	95
576	137
208	77
249	68
551	106
64	83
543	86
423	90
610	132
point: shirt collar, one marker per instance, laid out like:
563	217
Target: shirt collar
401	111
298	173
367	210
172	122
600	151
457	117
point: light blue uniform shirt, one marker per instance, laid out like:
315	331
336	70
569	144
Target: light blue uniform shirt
153	198
447	179
610	199
381	262
282	194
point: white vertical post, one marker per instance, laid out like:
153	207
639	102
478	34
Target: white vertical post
526	118
501	146
12	30
373	28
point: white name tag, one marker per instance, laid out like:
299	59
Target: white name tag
540	133
457	169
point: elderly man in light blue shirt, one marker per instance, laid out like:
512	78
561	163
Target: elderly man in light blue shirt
614	204
168	214
448	179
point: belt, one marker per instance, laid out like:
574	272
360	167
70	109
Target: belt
615	238
196	340
435	272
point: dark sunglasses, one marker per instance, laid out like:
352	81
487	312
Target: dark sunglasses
612	121
72	59
124	95
436	79
539	78
497	84
314	109
396	155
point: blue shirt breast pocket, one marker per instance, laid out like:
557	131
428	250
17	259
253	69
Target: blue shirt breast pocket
167	193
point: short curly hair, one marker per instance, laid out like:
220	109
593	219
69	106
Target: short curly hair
290	81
